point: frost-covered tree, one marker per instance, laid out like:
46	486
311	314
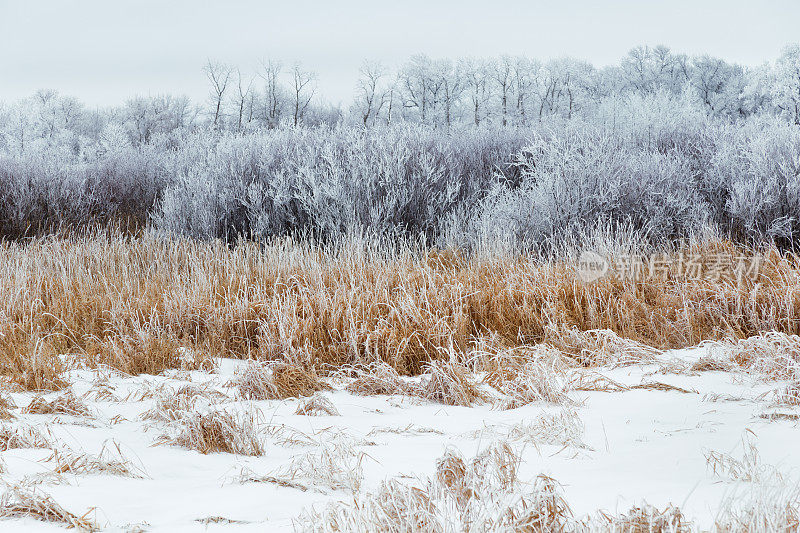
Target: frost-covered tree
371	94
274	93
647	70
477	87
145	116
303	89
719	85
502	74
219	76
786	88
243	100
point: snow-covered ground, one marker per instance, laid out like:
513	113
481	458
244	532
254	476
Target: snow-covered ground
637	445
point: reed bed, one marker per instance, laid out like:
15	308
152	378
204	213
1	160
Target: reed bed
140	304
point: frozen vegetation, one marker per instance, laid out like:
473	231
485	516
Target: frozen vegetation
265	313
459	152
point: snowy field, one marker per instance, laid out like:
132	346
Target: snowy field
713	437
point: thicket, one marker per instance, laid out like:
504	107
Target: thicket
656	166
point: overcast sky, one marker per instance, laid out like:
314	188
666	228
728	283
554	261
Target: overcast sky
105	51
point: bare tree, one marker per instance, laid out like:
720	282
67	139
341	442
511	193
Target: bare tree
786	89
304	89
270	72
244	90
451	82
525	72
390	96
416	81
370	98
218	74
476	75
502	74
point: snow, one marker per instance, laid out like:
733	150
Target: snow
641	445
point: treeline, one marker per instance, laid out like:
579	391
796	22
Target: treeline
656	167
661	147
440	93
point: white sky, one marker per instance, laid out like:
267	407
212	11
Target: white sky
104	51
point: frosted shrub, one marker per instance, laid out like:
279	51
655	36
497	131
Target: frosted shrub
757	176
572	181
653	166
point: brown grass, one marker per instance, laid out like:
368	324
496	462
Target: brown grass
173	404
7	406
663	387
19	502
317	405
774	354
277	381
110	461
146	350
483	494
527	375
16	436
374	379
217	431
131	302
449	382
66	403
647	519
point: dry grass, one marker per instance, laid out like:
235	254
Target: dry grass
217	431
20	502
451	383
644	519
788	395
28	357
334	464
478	495
711	364
129	303
749	468
774	354
149	349
601	347
7	406
110	461
595	382
664	387
760	508
18	436
101	390
317	405
277	381
173	404
522	379
374	379
562	428
65	403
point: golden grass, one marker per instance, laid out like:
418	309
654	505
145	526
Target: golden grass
110	461
483	494
375	378
15	436
131	303
217	431
20	502
317	405
646	519
277	381
65	403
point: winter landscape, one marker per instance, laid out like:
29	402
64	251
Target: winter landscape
481	292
